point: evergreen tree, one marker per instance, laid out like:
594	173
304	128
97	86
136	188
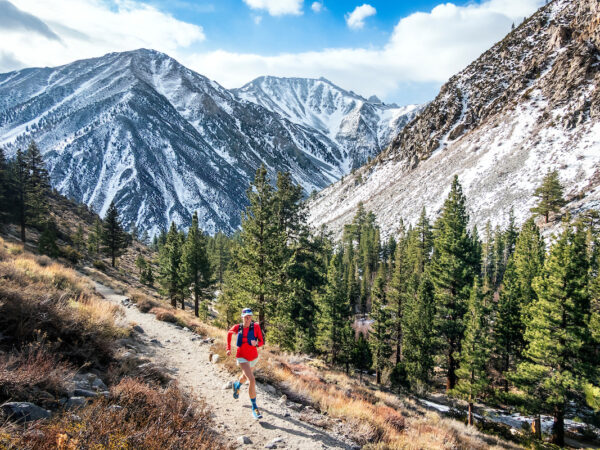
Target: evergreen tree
550	195
362	357
4	186
381	330
78	239
334	311
37	186
19	180
487	257
453	266
145	238
400	290
141	264
47	241
195	264
419	338
147	276
169	260
257	254
219	254
134	231
475	351
558	339
95	237
114	240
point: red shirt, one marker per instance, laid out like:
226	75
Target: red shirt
246	351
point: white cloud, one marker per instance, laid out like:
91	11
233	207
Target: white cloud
423	48
257	20
317	7
277	7
89	28
356	19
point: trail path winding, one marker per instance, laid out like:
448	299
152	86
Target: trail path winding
189	360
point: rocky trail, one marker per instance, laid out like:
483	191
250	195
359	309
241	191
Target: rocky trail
186	356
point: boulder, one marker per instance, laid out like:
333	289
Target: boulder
76	402
24	411
84	393
99	385
215	359
228	385
244	440
138	329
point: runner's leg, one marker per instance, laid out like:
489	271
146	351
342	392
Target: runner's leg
250	377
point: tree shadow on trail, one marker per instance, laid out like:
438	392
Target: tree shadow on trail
312	431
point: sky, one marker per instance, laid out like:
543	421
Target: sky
401	51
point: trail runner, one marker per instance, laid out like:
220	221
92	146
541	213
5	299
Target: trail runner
249	338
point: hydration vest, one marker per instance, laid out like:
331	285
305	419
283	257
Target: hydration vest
251	334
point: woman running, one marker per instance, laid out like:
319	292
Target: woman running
249	337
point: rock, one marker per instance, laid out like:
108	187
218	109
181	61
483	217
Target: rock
283	399
270	389
277	440
24	411
206	341
76	402
138	329
186	329
228	385
75	418
244	440
286	414
115	408
194	339
295	406
215	359
154	341
270	445
84	393
99	385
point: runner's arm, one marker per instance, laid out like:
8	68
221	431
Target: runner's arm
232	331
259	336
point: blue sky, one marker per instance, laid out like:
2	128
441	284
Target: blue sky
401	51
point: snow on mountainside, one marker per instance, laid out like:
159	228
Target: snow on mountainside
362	128
157	138
529	104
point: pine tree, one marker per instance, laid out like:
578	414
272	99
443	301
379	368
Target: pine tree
419	338
19	180
219	252
256	256
4	186
550	195
141	264
78	239
558	338
169	260
114	239
47	241
381	330
475	351
453	266
400	290
147	276
37	186
195	264
362	357
95	237
334	311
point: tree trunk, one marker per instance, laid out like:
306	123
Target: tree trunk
546	216
451	378
196	304
378	376
558	427
506	367
470	419
113	259
23	230
173	301
536	427
183	302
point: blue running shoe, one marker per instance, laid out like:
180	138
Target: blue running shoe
236	389
256	413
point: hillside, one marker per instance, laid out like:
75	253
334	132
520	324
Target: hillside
163	141
527	105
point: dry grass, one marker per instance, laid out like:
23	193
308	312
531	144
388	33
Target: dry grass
136	415
41	297
32	374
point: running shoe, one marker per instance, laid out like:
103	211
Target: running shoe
236	389
256	413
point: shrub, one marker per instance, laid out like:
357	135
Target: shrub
98	264
70	254
164	315
136	415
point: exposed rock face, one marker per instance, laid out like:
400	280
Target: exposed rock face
529	104
163	141
23	412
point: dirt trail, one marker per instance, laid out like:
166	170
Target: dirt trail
188	359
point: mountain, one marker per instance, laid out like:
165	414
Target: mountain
529	104
157	138
362	128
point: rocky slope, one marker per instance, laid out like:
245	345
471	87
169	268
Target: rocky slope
529	104
157	138
362	128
